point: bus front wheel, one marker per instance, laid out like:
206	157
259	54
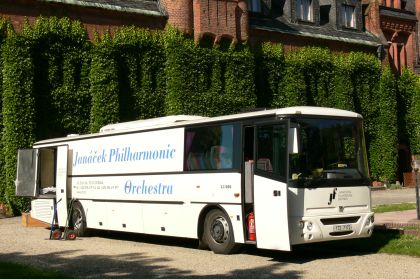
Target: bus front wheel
218	233
78	220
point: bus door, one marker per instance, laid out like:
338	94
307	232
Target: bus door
270	186
61	184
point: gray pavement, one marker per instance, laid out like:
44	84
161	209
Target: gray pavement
406	195
398	218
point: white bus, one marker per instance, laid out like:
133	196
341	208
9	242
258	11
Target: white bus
272	178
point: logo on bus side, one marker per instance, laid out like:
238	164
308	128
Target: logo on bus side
332	196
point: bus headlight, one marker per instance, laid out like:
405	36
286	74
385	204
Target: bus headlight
301	225
369	220
309	226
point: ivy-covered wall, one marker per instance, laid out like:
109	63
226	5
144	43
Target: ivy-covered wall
4	27
355	81
127	77
19	119
56	82
207	80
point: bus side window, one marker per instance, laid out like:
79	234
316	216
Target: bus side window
209	148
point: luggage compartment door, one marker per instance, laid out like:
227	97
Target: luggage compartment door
27	173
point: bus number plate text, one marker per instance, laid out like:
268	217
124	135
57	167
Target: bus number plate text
342	228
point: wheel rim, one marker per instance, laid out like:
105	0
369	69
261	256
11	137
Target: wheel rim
219	230
56	234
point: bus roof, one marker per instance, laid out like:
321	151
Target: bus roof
144	123
182	120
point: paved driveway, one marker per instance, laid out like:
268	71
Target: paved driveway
393	196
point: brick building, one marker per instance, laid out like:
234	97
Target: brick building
395	23
387	28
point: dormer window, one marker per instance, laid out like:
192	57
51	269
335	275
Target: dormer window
254	6
348	18
304	10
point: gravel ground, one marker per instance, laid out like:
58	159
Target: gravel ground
137	256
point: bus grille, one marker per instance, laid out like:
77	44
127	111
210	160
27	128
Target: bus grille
341	220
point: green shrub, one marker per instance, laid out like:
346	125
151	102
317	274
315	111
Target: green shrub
414	119
18	108
307	79
365	73
104	85
270	66
292	89
61	59
5	27
341	90
141	73
409	110
383	144
207	81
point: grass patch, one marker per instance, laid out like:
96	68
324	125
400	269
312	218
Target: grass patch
17	271
394	207
403	245
381	241
412	228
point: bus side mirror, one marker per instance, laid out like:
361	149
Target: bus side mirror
294	147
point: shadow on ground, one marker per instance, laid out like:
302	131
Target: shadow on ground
140	265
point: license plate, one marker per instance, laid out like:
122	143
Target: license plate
342	228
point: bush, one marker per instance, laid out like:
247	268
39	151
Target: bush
19	118
383	145
128	77
270	67
5	27
341	90
409	110
141	73
104	85
207	81
61	59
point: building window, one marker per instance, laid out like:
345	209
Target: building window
304	10
348	16
254	6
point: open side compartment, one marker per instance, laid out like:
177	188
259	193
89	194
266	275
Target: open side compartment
36	172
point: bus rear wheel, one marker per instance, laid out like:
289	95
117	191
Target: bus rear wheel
78	220
218	233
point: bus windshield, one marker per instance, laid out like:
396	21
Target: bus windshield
329	152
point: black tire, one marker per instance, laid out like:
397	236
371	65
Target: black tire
218	233
78	220
202	245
